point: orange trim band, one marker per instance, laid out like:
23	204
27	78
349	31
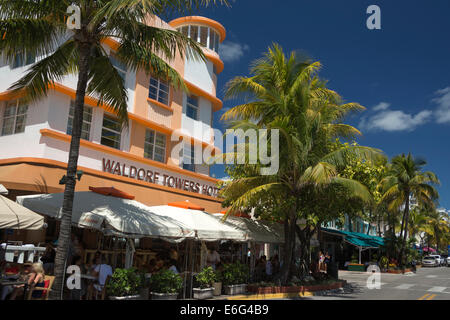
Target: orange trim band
215	59
65	137
217	103
55	163
200	20
159	104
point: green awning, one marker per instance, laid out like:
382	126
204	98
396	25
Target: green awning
358	239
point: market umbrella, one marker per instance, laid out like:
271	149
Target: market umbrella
206	226
256	230
113	215
15	216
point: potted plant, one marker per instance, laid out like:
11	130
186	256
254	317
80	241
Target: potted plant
165	285
124	285
218	283
234	277
205	280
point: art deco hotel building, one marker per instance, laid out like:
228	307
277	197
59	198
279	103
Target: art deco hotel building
35	137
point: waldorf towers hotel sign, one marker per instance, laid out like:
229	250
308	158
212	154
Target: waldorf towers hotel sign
159	177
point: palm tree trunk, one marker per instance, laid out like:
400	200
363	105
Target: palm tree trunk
289	246
69	190
405	220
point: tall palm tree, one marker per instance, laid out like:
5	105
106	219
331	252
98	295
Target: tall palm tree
406	181
285	94
38	27
439	228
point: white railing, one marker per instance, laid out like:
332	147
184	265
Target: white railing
24	253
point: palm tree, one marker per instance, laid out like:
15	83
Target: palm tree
404	182
285	94
38	28
439	228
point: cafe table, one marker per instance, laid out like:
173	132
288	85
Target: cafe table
12	282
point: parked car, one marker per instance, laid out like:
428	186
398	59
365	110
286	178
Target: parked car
429	261
439	259
448	261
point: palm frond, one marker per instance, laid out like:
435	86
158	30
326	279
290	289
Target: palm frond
47	71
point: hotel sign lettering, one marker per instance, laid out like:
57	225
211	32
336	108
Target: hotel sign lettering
156	177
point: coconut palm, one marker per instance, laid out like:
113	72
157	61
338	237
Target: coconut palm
285	94
439	228
38	28
404	182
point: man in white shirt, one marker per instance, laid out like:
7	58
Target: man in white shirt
102	271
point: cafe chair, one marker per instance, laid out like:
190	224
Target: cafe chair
48	283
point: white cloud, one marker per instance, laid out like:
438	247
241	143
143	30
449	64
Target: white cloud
393	120
232	51
381	106
442	99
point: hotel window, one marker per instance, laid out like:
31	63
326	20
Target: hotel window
212	39
14	117
188	157
184	30
192	107
193	33
87	120
159	90
111	132
120	67
204	36
21	60
155	146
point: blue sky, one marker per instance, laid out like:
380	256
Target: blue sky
401	73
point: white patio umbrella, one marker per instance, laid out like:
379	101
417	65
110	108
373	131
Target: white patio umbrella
15	216
206	226
113	215
257	230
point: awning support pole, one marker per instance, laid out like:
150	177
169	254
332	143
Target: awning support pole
360	248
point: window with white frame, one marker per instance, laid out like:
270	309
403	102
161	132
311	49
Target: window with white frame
159	90
120	66
155	146
204	35
87	121
188	157
111	132
14	117
192	107
21	60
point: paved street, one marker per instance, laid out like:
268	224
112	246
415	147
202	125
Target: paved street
426	284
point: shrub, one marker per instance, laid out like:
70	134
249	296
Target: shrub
384	262
124	282
235	273
218	276
166	281
205	278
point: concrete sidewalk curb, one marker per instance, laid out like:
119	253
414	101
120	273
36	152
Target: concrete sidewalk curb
271	296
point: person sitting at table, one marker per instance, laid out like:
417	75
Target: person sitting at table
35	279
151	267
6	290
92	263
77	294
102	271
48	259
171	265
